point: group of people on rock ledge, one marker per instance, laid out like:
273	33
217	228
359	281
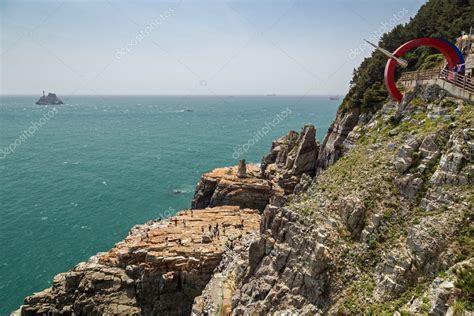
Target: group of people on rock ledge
213	232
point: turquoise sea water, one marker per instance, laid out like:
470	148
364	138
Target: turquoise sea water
91	169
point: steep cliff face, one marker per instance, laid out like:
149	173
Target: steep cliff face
333	146
291	157
382	229
287	268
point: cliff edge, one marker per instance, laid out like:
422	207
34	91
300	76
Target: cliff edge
386	229
376	220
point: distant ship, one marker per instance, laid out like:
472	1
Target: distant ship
50	99
334	98
271	95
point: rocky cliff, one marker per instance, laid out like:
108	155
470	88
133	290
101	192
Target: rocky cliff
291	159
386	229
378	220
159	268
333	147
223	186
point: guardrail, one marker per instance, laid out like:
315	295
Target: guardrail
461	81
420	74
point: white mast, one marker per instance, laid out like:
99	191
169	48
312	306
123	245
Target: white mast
402	62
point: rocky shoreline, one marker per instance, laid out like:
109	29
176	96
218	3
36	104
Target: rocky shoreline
159	264
376	220
164	262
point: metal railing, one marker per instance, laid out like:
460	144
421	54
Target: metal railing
461	81
464	82
420	74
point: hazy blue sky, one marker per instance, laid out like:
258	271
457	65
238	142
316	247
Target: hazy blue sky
189	47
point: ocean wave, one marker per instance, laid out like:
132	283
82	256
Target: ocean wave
183	190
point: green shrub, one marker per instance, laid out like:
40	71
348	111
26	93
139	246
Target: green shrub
432	61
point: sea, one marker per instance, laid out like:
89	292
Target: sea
74	178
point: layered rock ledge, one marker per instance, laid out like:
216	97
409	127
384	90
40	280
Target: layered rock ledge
223	186
159	268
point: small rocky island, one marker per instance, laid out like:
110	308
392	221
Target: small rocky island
50	99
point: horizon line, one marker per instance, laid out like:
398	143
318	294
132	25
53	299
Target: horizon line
187	95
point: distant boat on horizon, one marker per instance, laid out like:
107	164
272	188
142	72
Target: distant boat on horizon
271	95
334	98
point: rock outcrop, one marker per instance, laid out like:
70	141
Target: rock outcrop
333	147
287	268
438	298
242	169
159	268
291	157
223	186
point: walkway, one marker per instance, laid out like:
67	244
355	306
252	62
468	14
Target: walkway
458	85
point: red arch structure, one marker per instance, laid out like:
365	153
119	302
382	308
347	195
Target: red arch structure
450	52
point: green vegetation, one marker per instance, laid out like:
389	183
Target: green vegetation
465	282
460	307
466	237
356	303
432	61
356	295
420	124
437	18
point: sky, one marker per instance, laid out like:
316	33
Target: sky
187	47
